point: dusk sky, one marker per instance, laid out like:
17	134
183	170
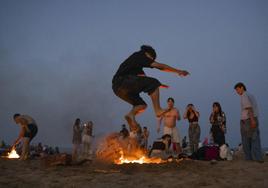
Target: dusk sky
58	57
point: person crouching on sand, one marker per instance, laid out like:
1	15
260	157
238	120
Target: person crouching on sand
28	131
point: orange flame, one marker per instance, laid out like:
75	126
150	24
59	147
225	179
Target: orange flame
13	154
140	160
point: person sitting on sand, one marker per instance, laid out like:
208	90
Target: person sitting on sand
130	80
28	131
161	147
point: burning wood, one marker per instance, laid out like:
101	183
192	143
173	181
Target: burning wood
119	151
141	160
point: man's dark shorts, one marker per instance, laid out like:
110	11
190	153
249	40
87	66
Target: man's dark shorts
129	88
32	131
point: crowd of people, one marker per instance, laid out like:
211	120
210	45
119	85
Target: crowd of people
82	134
177	144
40	150
218	130
128	82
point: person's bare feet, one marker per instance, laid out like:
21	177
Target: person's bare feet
133	125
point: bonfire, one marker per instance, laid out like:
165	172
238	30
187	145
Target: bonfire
141	160
119	151
13	154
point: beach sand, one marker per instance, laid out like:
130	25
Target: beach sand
187	173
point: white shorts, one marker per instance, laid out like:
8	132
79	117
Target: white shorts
174	133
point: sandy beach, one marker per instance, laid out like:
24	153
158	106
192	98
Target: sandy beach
187	173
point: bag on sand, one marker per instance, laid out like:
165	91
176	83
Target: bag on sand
225	153
206	153
211	152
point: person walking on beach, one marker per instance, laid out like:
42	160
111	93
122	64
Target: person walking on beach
218	124
194	129
170	118
77	139
130	80
28	131
249	124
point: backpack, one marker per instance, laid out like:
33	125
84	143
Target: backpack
211	152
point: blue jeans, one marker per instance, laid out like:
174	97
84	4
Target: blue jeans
251	140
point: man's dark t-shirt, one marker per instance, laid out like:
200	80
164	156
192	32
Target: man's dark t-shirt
128	82
134	65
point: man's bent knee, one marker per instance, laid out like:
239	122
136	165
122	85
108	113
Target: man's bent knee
140	108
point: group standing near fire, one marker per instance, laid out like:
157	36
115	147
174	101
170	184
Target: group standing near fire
127	83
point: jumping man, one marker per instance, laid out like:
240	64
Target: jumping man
130	80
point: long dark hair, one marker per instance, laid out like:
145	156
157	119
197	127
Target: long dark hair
217	104
77	121
188	112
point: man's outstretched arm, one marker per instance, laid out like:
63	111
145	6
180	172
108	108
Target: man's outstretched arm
167	68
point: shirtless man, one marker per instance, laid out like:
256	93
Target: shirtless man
130	80
27	133
170	118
